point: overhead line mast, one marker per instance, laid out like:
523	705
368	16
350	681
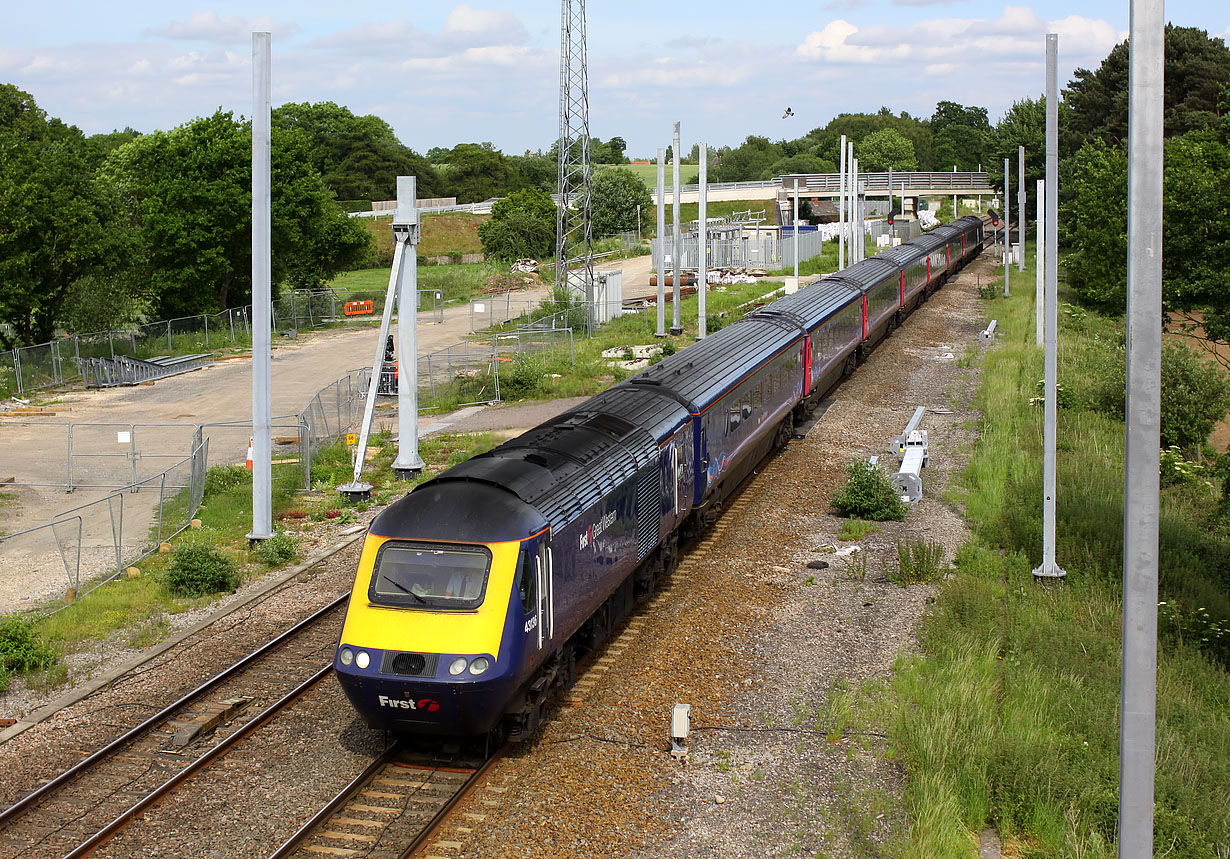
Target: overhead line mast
574	236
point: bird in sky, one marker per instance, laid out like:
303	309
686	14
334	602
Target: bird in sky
788	113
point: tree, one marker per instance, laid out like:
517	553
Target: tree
802	163
1023	124
58	223
1196	235
359	157
1197	67
615	195
477	172
960	134
1093	224
521	225
189	191
883	150
750	161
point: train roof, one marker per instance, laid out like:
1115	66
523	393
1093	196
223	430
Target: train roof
650	407
557	470
813	304
701	373
866	273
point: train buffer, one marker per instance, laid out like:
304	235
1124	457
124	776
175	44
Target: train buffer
911	446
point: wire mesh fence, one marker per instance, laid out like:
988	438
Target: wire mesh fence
84	547
59	362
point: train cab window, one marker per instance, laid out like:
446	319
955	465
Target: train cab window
430	576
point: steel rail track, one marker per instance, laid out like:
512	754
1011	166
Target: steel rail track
395	811
16	815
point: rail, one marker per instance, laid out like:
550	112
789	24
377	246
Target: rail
29	806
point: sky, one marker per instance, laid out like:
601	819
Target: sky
444	73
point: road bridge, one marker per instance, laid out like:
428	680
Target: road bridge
917	184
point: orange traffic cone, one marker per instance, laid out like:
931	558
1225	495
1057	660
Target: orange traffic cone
248	464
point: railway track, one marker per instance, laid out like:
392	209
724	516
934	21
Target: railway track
393	809
83	807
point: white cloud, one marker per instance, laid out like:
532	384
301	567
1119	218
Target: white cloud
210	27
1017	35
467	25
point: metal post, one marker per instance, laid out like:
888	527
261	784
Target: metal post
841	211
796	231
1143	411
702	240
676	246
262	338
170	348
1039	265
855	224
406	230
1020	206
1048	568
1007	228
659	261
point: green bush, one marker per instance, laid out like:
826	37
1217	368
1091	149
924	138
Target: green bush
279	549
21	649
198	569
522	380
1195	395
220	478
868	494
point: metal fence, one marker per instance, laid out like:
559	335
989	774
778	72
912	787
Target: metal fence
108	534
58	362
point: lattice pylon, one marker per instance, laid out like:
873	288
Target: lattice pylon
574	242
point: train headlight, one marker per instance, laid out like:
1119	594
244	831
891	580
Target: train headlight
362	660
346	656
480	665
457	666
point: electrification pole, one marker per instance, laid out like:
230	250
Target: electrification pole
262	292
660	257
676	245
1048	569
1020	206
841	211
1137	719
702	241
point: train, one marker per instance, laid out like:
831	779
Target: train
477	592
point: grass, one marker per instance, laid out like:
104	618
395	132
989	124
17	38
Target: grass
1010	716
441	235
856	529
457	282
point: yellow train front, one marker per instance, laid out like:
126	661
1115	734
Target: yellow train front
436	632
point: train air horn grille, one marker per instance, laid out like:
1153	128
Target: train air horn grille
409	664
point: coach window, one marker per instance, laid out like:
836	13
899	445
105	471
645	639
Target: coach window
732	419
758	398
525	582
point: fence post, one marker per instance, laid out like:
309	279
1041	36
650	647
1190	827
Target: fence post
69	488
170	348
206	318
230	315
77	354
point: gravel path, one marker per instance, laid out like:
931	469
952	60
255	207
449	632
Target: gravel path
760	645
